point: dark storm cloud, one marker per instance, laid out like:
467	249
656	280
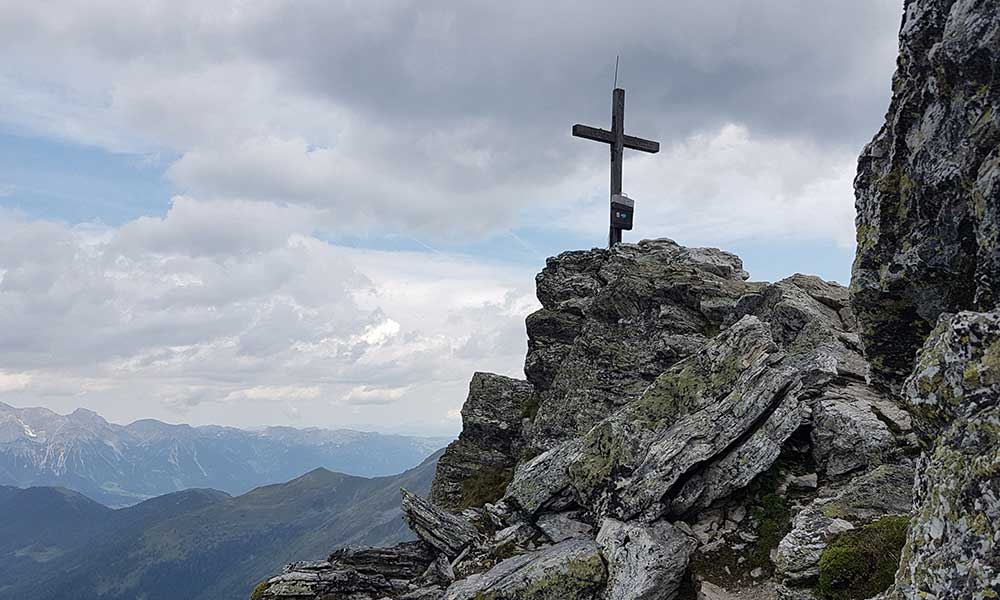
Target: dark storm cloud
815	69
427	109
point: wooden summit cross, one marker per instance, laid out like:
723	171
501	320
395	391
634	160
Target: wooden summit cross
622	207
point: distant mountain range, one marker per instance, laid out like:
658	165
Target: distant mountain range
120	465
56	544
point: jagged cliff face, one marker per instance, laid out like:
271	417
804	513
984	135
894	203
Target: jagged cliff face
928	194
928	185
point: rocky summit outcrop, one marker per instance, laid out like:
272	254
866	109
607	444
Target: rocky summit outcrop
928	185
680	428
613	320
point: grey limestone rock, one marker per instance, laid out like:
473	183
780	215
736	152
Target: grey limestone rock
883	491
612	320
476	467
886	490
797	557
694	412
543	481
645	562
321	579
847	433
564	526
407	560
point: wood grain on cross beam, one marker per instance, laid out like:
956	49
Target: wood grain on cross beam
603	135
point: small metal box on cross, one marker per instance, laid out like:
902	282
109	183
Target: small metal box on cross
622	208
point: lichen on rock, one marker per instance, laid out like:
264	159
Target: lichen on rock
926	188
953	549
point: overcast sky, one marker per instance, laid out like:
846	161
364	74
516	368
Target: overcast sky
331	212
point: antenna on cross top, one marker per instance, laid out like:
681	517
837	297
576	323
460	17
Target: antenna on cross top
622	207
616	72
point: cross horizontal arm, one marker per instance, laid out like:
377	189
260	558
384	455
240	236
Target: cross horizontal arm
637	143
603	135
593	133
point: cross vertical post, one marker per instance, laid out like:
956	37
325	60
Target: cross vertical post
618	141
617	151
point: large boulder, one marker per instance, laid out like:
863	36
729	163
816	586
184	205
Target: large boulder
953	547
476	467
645	562
612	320
928	185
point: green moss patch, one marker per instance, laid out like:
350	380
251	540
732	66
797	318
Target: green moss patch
582	579
772	515
861	563
258	592
488	485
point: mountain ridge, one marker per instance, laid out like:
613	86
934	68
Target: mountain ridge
120	465
196	543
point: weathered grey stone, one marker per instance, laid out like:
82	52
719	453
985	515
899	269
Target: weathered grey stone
847	433
710	591
476	467
797	557
613	320
359	573
321	579
448	533
809	481
571	569
425	593
738	465
694	412
953	546
544	481
407	560
645	562
564	526
927	190
886	490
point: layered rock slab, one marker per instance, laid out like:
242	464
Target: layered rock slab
628	462
446	532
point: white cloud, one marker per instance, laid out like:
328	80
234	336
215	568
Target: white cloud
729	184
155	319
367	395
452	118
10	382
